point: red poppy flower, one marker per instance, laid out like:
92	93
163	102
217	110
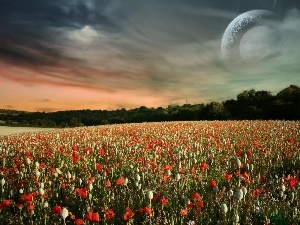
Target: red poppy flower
165	178
120	181
56	209
213	184
42	165
19	205
200	205
5	204
192	170
79	222
190	205
147	210
27	197
82	192
102	152
98	166
90	180
196	196
227	176
93	216
30	208
184	212
128	214
256	192
168	167
164	201
245	175
107	183
140	210
106	170
109	214
75	157
292	182
204	166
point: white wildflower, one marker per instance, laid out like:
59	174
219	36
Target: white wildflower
150	195
239	195
64	213
238	162
224	208
28	161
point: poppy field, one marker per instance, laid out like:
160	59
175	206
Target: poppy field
173	173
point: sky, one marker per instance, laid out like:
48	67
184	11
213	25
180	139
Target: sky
111	54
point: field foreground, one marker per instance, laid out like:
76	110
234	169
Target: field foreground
243	172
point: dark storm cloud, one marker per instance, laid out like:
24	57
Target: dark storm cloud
42	14
21	55
29	24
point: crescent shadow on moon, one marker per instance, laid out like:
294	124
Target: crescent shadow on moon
230	47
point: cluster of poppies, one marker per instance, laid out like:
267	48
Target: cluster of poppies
208	172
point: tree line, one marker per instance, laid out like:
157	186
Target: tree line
249	105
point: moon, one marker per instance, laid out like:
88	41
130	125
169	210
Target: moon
232	37
258	44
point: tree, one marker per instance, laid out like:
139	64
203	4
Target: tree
75	122
215	111
104	122
8	123
23	123
63	124
290	94
246	96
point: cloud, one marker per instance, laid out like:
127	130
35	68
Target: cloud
42	100
45	109
168	49
39	26
85	35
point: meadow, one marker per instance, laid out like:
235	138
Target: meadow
6	130
208	172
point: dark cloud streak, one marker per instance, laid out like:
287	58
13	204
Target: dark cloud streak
29	24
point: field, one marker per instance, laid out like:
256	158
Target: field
218	172
5	130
